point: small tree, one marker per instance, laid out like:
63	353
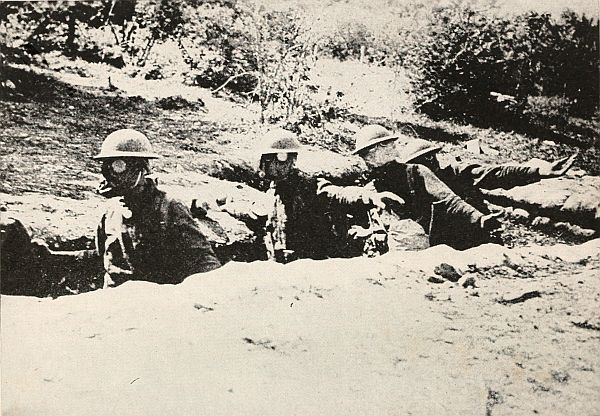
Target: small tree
283	51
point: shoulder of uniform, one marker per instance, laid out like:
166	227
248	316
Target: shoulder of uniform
459	168
391	165
175	207
423	170
172	203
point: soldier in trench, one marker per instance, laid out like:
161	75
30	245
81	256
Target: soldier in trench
443	215
466	180
305	219
144	234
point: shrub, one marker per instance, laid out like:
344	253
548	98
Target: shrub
215	43
347	39
76	28
462	56
548	112
177	102
283	49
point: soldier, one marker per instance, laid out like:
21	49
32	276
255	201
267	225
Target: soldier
301	219
144	235
442	214
466	180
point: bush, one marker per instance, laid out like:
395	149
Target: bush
177	102
462	56
346	41
215	43
77	29
154	73
548	112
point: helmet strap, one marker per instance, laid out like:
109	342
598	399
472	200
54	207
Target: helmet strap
137	181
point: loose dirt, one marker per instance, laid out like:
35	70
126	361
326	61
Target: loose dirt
310	338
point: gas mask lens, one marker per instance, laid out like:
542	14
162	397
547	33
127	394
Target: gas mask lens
282	157
110	168
118	166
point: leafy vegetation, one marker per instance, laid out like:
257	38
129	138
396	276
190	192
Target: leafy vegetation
530	70
464	56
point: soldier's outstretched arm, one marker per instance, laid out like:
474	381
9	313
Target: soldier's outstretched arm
559	167
244	209
500	176
354	194
509	176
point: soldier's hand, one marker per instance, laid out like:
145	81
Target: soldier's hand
490	222
356	231
237	211
244	209
370	196
559	167
383	199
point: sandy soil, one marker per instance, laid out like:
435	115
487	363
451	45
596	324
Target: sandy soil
310	338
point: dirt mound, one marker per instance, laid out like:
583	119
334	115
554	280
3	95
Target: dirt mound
568	199
312	338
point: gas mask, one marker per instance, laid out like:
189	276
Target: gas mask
120	176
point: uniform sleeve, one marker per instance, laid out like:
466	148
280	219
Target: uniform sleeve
501	176
342	194
101	236
344	207
441	193
191	250
453	221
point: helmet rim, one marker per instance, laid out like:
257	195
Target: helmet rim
120	154
126	143
428	147
372	135
374	142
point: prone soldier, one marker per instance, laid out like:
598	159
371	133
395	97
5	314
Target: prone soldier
442	214
467	180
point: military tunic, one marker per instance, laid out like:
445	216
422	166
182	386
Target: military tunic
304	223
428	201
151	237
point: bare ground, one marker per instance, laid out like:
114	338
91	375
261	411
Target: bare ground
310	338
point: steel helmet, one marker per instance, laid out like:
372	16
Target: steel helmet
126	143
415	148
371	135
280	141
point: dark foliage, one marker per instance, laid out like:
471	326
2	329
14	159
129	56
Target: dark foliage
464	56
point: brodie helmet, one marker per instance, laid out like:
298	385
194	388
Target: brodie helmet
279	141
126	143
371	135
416	148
